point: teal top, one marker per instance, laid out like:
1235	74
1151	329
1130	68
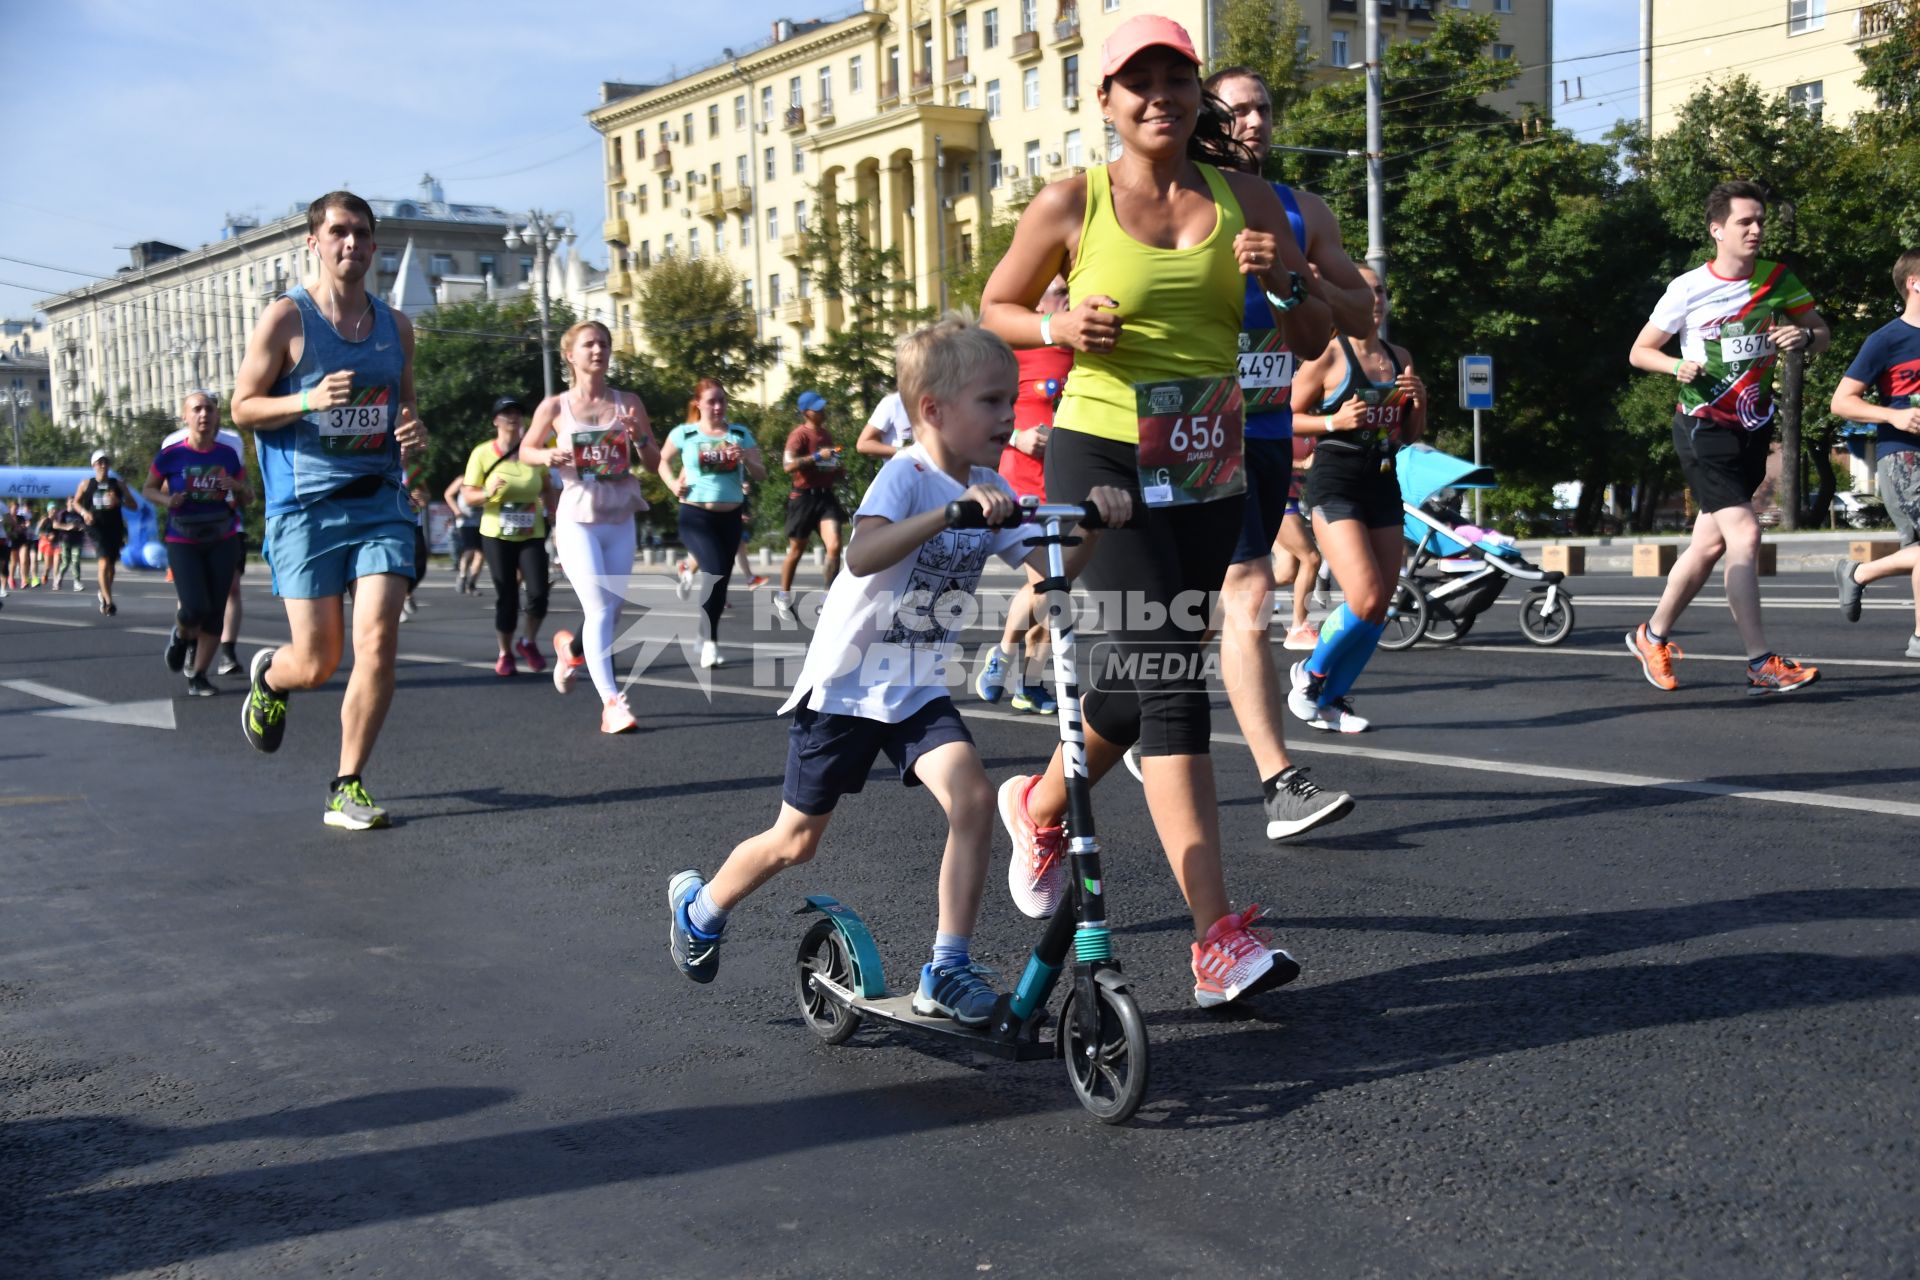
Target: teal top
712	476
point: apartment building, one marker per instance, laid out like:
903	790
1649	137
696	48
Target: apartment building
931	111
1806	49
175	318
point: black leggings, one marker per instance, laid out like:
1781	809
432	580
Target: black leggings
420	555
714	539
1158	585
202	577
508	561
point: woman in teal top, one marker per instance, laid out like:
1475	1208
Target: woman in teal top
706	462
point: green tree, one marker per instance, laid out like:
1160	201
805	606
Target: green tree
1265	36
966	281
466	356
697	321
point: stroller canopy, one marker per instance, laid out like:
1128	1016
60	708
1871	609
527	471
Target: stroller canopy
1424	471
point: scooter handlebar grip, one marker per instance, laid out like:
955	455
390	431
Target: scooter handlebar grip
965	514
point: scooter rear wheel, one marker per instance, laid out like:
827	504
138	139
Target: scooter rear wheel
824	951
1406	616
1109	1071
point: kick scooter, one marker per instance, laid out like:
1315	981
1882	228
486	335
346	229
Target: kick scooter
1100	1034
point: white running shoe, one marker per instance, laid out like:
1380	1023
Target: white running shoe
1037	876
1336	716
683	587
1303	697
710	655
783	606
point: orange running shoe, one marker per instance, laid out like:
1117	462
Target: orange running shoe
565	665
1779	675
615	717
1656	660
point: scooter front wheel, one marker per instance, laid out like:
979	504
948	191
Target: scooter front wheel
823	951
1544	625
1109	1069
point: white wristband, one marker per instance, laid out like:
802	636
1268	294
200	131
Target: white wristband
1046	329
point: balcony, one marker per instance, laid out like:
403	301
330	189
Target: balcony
614	231
1066	32
889	93
922	82
713	204
795	311
619	280
663	161
1419	10
1874	21
1026	188
1026	47
823	112
738	200
1066	172
793	245
795	119
616	175
956	69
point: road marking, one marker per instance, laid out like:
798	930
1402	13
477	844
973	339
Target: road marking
45	622
47	693
156	713
10	801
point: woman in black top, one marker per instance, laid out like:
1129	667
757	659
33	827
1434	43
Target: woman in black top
102	500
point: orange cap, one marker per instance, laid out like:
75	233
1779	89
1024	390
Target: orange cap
1143	32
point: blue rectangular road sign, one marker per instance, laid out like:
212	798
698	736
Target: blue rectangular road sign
1476	382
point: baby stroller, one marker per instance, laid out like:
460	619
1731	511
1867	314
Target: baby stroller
1456	570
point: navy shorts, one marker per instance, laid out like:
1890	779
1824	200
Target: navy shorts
829	756
1269	465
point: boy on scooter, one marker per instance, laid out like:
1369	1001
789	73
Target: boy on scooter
885	654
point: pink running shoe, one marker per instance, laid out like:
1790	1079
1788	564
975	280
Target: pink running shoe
530	651
1235	961
1036	877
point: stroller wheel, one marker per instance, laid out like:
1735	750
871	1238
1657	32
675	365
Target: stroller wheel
1443	627
1544	625
1406	616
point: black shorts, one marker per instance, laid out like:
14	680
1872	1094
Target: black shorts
1269	466
466	538
1354	484
1722	465
829	756
806	508
108	539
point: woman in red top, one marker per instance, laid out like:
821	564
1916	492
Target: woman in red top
1043	375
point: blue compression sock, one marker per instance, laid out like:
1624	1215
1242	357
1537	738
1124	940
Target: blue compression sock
707	919
1326	653
950	949
1362	638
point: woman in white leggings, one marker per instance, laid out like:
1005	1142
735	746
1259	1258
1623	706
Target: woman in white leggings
591	435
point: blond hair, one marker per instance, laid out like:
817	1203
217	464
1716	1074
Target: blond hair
943	359
578	328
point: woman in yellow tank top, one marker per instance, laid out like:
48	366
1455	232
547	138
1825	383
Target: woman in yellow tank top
1155	247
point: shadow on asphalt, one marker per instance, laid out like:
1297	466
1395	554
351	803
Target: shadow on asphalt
1428	1016
117	1229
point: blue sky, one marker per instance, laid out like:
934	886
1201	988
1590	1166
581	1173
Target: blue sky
152	119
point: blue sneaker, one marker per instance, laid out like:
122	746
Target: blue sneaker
697	954
960	992
1036	699
992	680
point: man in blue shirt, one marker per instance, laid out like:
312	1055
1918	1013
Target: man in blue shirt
1889	364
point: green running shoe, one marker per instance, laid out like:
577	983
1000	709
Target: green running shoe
263	718
349	806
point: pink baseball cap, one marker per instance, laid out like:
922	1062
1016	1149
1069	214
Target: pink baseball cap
1143	32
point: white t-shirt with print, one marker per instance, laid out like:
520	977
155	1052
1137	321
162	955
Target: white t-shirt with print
888	644
890	415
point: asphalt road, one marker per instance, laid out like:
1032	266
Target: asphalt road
1598	981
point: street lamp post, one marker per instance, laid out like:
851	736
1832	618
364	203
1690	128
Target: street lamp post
543	233
18	398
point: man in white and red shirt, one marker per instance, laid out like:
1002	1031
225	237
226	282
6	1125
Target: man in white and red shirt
1733	317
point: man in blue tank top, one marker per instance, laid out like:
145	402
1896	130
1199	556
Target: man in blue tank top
1293	803
327	390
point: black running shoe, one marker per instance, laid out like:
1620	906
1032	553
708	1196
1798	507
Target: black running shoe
175	654
198	686
264	717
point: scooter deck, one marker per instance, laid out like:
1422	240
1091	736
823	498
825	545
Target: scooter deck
898	1010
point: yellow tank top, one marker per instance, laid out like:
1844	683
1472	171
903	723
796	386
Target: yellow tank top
1181	310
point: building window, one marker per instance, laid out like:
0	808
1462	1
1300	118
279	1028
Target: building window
826	90
779	345
799	159
966	246
389	263
713	120
799	216
990	29
639	143
1110	6
1501	52
959	35
693	242
806	284
666	245
854	81
746	294
719	237
487	267
745	226
526	268
993	99
1303	38
794	98
686	128
1805	15
773	224
713	176
1033	159
1029	15
964	98
1810	97
664	131
1076	151
926	51
766	102
740	111
640	197
440	264
1503	6
1070	75
893	71
740	174
1339	49
993	169
770	164
1030	88
773	289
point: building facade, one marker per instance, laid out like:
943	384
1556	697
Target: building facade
23	337
932	112
175	319
1806	49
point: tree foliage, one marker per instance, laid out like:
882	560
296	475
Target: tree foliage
698	323
1265	36
466	356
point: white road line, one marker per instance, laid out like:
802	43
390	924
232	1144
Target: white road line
47	693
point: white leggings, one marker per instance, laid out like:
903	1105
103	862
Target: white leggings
598	559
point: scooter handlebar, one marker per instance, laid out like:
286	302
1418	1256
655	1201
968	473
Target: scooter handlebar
967	514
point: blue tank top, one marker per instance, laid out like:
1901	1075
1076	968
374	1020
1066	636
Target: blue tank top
709	479
328	449
1275	423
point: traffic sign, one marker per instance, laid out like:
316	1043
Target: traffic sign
1476	382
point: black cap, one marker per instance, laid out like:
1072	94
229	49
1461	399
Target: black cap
505	403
